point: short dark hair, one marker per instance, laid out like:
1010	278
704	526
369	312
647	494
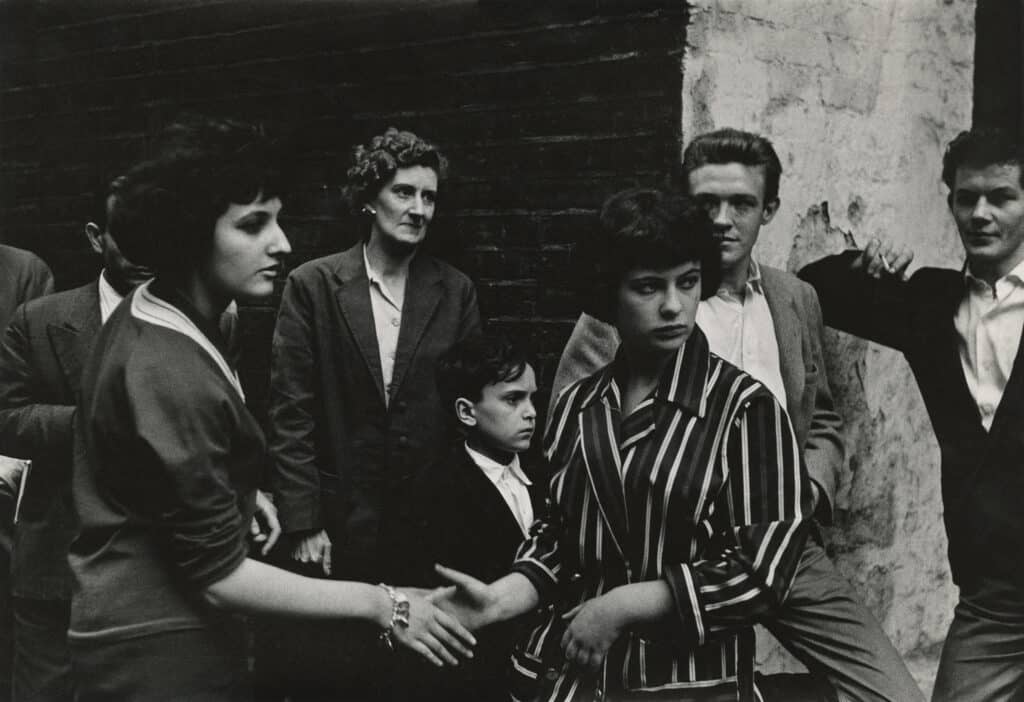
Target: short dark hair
169	204
734	146
646	228
474	363
377	161
980	147
97	213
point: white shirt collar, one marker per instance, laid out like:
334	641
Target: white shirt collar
378	280
109	298
753	283
494	470
1015	278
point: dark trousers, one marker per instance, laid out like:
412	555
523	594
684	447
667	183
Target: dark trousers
193	665
42	662
826	626
983	657
7	502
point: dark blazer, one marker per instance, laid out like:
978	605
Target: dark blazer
23	277
796	317
339	452
982	472
44	350
452	514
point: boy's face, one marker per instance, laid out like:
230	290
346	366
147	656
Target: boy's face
988	206
504	417
733	196
656	309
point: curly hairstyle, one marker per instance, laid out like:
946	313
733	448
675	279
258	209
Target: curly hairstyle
377	161
645	228
981	147
169	204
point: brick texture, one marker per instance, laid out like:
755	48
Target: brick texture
544	109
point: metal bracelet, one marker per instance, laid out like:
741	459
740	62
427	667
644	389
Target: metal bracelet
399	615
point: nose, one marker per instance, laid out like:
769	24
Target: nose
529	412
279	244
720	214
419	208
672	303
981	209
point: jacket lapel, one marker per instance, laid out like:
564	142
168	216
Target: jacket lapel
354	302
72	339
423	293
599	440
482	497
788	335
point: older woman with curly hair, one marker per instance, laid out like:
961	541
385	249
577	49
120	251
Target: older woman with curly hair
354	409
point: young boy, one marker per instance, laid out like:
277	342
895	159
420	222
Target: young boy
473	508
678	503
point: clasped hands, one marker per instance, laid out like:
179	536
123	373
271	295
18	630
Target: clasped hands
591	627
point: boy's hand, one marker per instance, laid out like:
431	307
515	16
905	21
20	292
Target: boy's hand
592	629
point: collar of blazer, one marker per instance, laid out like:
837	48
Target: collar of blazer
73	330
423	293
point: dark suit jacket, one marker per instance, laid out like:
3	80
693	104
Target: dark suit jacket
452	514
339	452
982	472
23	277
41	360
798	329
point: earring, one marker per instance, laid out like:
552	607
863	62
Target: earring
369	210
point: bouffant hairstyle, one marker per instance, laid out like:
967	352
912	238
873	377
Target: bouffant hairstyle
376	162
735	146
474	363
646	228
980	147
169	204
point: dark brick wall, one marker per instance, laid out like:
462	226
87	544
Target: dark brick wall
544	109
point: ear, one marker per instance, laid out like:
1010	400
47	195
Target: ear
770	208
465	412
95	237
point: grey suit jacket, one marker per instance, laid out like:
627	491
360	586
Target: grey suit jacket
796	316
44	350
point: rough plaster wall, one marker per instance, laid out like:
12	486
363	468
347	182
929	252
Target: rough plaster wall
859	97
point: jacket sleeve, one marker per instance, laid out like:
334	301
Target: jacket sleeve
854	302
823	448
28	428
470	323
756	527
295	477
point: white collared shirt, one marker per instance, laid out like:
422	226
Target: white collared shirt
387	320
109	298
511	482
989	323
741	331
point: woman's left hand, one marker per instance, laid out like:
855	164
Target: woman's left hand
592	629
265	527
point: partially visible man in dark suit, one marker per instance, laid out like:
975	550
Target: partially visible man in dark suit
960	331
41	358
472	508
768	323
23	277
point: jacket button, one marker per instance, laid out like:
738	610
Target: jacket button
403	440
575	577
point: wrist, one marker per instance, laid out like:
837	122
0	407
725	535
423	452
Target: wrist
397	614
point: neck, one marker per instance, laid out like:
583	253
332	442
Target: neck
119	286
206	302
387	259
644	370
495	454
990	272
734	280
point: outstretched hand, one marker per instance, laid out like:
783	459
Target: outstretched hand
881	258
433	633
471	601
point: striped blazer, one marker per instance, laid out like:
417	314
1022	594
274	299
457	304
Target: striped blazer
702	486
